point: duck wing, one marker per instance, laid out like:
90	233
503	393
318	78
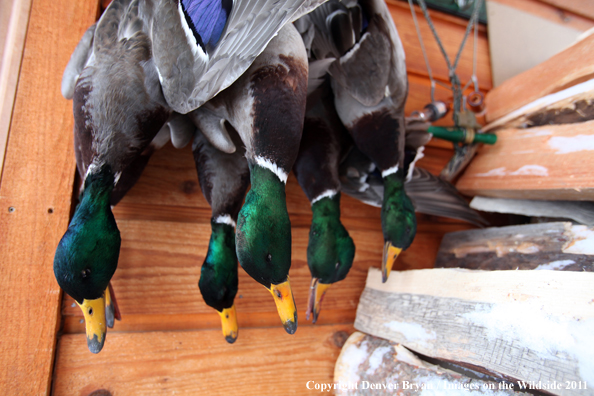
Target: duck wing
117	101
434	196
78	61
202	46
429	194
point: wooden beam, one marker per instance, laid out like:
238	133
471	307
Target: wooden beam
367	363
569	106
553	246
548	162
567	68
580	7
35	196
526	325
13	28
579	211
552	12
262	361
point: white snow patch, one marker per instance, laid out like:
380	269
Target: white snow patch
493	172
555	265
565	145
535	329
583	241
531	170
225	219
376	359
353	357
413	332
265	163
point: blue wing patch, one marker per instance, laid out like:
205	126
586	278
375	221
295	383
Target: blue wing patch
207	20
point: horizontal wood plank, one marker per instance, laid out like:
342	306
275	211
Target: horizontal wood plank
580	7
547	162
495	320
548	10
262	361
569	67
35	196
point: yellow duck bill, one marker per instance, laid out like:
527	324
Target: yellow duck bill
389	257
285	304
95	323
229	324
317	291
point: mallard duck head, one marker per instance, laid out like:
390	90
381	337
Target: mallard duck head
399	223
218	277
330	251
264	240
87	255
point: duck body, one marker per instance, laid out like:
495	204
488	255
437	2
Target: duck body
224	179
359	46
330	249
118	110
266	106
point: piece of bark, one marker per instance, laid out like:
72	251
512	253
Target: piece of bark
549	246
579	211
370	366
527	325
568	106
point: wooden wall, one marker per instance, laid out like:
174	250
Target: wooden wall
169	341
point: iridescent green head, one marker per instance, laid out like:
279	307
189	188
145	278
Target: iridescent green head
330	250
218	277
399	223
87	255
263	239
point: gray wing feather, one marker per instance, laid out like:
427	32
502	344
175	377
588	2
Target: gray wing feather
77	63
191	79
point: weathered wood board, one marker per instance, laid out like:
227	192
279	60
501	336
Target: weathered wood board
544	246
579	211
370	366
567	68
557	11
551	162
35	197
525	325
262	361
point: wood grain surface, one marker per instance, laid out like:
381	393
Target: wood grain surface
35	197
524	247
567	68
261	362
165	227
548	162
495	320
